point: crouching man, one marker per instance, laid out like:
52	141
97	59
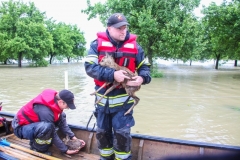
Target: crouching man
38	119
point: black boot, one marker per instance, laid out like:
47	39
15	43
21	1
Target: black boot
112	157
34	149
46	152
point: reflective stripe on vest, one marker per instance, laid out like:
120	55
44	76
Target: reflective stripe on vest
122	155
106	152
39	141
114	101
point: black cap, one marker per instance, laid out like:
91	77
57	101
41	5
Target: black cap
117	20
68	97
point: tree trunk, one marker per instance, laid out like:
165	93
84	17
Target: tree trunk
235	63
217	61
20	59
150	59
50	60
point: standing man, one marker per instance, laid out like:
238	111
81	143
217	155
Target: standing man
113	128
38	119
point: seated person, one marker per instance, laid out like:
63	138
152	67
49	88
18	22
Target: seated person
38	119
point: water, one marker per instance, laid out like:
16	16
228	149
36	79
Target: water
194	103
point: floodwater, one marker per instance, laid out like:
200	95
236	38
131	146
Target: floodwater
196	103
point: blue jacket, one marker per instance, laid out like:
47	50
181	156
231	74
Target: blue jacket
45	114
94	70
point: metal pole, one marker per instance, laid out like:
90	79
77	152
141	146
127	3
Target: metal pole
66	79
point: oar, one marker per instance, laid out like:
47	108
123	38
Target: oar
6	143
7	156
9	152
18	152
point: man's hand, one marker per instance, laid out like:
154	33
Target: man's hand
119	75
72	151
137	81
83	143
73	138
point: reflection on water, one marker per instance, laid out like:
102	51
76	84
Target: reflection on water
192	103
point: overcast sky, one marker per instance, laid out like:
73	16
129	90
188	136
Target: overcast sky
69	12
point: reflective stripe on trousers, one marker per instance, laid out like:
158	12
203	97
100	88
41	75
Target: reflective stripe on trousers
39	141
106	152
114	101
122	155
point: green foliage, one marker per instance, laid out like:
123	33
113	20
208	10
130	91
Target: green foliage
165	29
222	28
169	29
39	63
161	25
68	40
24	33
155	73
59	58
23	26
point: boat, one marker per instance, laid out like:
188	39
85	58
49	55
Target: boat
144	147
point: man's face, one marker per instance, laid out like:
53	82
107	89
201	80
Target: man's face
118	34
62	105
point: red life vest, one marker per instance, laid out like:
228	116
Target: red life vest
26	114
124	56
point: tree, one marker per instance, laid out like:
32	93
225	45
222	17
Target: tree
68	40
26	34
148	19
183	39
79	42
223	30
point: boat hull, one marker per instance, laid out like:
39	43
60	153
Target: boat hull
146	147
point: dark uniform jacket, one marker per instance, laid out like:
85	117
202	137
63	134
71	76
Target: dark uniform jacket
45	114
106	74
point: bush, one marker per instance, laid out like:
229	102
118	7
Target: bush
40	63
155	72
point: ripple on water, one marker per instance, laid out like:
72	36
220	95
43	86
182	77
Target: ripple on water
194	102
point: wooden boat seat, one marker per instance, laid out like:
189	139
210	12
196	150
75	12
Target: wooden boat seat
55	152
